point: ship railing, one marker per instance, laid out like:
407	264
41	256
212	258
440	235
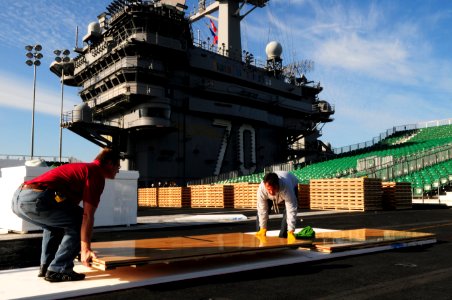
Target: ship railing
246	57
201	7
111	69
48	158
389	132
116	91
248	60
75	116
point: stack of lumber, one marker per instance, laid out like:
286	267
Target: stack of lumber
221	196
147	197
173	197
303	196
362	194
245	195
397	195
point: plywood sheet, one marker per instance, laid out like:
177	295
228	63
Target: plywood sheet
363	238
151	251
148	251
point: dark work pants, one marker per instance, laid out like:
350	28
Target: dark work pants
283	231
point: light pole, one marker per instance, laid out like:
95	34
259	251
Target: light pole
34	57
62	57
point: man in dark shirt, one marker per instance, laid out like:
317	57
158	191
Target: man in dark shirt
52	200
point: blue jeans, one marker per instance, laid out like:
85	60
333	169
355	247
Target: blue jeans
61	223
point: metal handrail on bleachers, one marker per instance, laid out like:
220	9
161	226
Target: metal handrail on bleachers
389	132
412	163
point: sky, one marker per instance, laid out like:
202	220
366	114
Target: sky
381	64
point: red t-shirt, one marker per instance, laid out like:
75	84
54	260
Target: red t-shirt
75	181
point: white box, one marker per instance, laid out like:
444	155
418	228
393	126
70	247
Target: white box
118	203
11	179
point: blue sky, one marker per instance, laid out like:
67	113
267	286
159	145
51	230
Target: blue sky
381	63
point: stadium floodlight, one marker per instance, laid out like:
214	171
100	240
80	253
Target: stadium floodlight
34	57
62	58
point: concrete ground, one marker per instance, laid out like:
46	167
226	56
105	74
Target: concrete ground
412	273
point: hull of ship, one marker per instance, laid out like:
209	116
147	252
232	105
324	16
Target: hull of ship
200	147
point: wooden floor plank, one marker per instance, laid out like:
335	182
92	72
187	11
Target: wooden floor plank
152	251
147	251
363	238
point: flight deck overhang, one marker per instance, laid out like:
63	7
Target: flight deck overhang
64	70
97	133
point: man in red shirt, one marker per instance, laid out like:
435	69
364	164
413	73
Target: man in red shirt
52	200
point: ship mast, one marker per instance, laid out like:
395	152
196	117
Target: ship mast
229	18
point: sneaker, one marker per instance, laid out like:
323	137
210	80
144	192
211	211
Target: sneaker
58	277
42	270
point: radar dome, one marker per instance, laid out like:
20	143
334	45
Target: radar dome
94	32
273	49
94	27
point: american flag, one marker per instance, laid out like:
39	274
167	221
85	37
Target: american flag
213	31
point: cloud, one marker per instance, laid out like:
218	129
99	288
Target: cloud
384	59
52	22
14	92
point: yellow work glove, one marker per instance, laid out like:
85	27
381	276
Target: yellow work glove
291	237
262	232
262	240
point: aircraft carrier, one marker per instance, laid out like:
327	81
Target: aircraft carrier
181	108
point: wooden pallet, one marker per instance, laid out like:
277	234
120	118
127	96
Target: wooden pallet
397	195
147	197
245	195
210	196
304	196
151	251
174	197
362	194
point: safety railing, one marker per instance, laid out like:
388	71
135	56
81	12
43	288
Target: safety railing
408	164
390	132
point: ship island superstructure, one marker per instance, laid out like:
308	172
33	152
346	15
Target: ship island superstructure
181	109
